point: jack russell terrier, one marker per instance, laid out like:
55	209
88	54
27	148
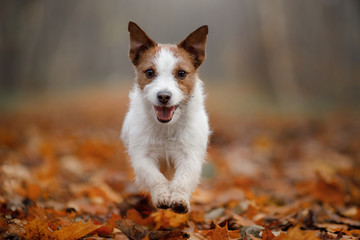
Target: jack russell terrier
166	129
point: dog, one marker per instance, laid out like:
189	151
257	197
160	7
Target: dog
166	128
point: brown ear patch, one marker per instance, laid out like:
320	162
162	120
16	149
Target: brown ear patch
139	42
195	45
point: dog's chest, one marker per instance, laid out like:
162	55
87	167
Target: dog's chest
165	142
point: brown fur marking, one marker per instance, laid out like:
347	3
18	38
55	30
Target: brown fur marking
146	61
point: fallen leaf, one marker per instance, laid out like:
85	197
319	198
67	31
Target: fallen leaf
167	218
103	231
75	231
135	216
234	234
268	235
243	221
113	219
325	190
220	233
297	234
38	229
131	229
197	216
168	235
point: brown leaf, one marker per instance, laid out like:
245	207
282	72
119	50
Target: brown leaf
197	216
220	233
168	235
3	225
355	232
131	229
113	219
75	231
243	221
103	231
136	231
326	190
135	216
268	235
234	234
38	229
167	218
297	234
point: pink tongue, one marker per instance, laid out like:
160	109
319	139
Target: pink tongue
164	113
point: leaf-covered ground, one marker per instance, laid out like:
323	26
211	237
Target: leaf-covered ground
64	174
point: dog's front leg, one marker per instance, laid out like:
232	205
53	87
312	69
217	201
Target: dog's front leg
148	175
185	180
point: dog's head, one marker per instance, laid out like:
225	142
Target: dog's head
166	73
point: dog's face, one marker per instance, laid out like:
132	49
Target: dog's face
166	74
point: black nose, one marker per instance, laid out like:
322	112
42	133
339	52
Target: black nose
164	97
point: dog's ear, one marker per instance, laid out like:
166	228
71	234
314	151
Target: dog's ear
195	44
139	42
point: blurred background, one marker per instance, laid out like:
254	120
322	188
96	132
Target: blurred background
290	56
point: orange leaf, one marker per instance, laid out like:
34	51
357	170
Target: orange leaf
135	216
3	225
38	229
103	231
243	221
220	233
234	234
75	231
354	232
197	216
114	218
282	236
325	190
297	234
251	212
167	218
267	234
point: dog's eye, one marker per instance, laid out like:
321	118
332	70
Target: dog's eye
181	74
150	73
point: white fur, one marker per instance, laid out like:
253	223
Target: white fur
165	62
180	143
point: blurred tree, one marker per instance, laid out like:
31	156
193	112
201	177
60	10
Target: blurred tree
298	52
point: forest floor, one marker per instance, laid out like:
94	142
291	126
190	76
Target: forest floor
64	174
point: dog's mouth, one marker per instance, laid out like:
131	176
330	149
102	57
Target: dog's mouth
164	114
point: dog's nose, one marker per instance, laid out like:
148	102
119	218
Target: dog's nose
164	97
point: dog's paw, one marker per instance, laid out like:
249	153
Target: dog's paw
180	205
161	200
